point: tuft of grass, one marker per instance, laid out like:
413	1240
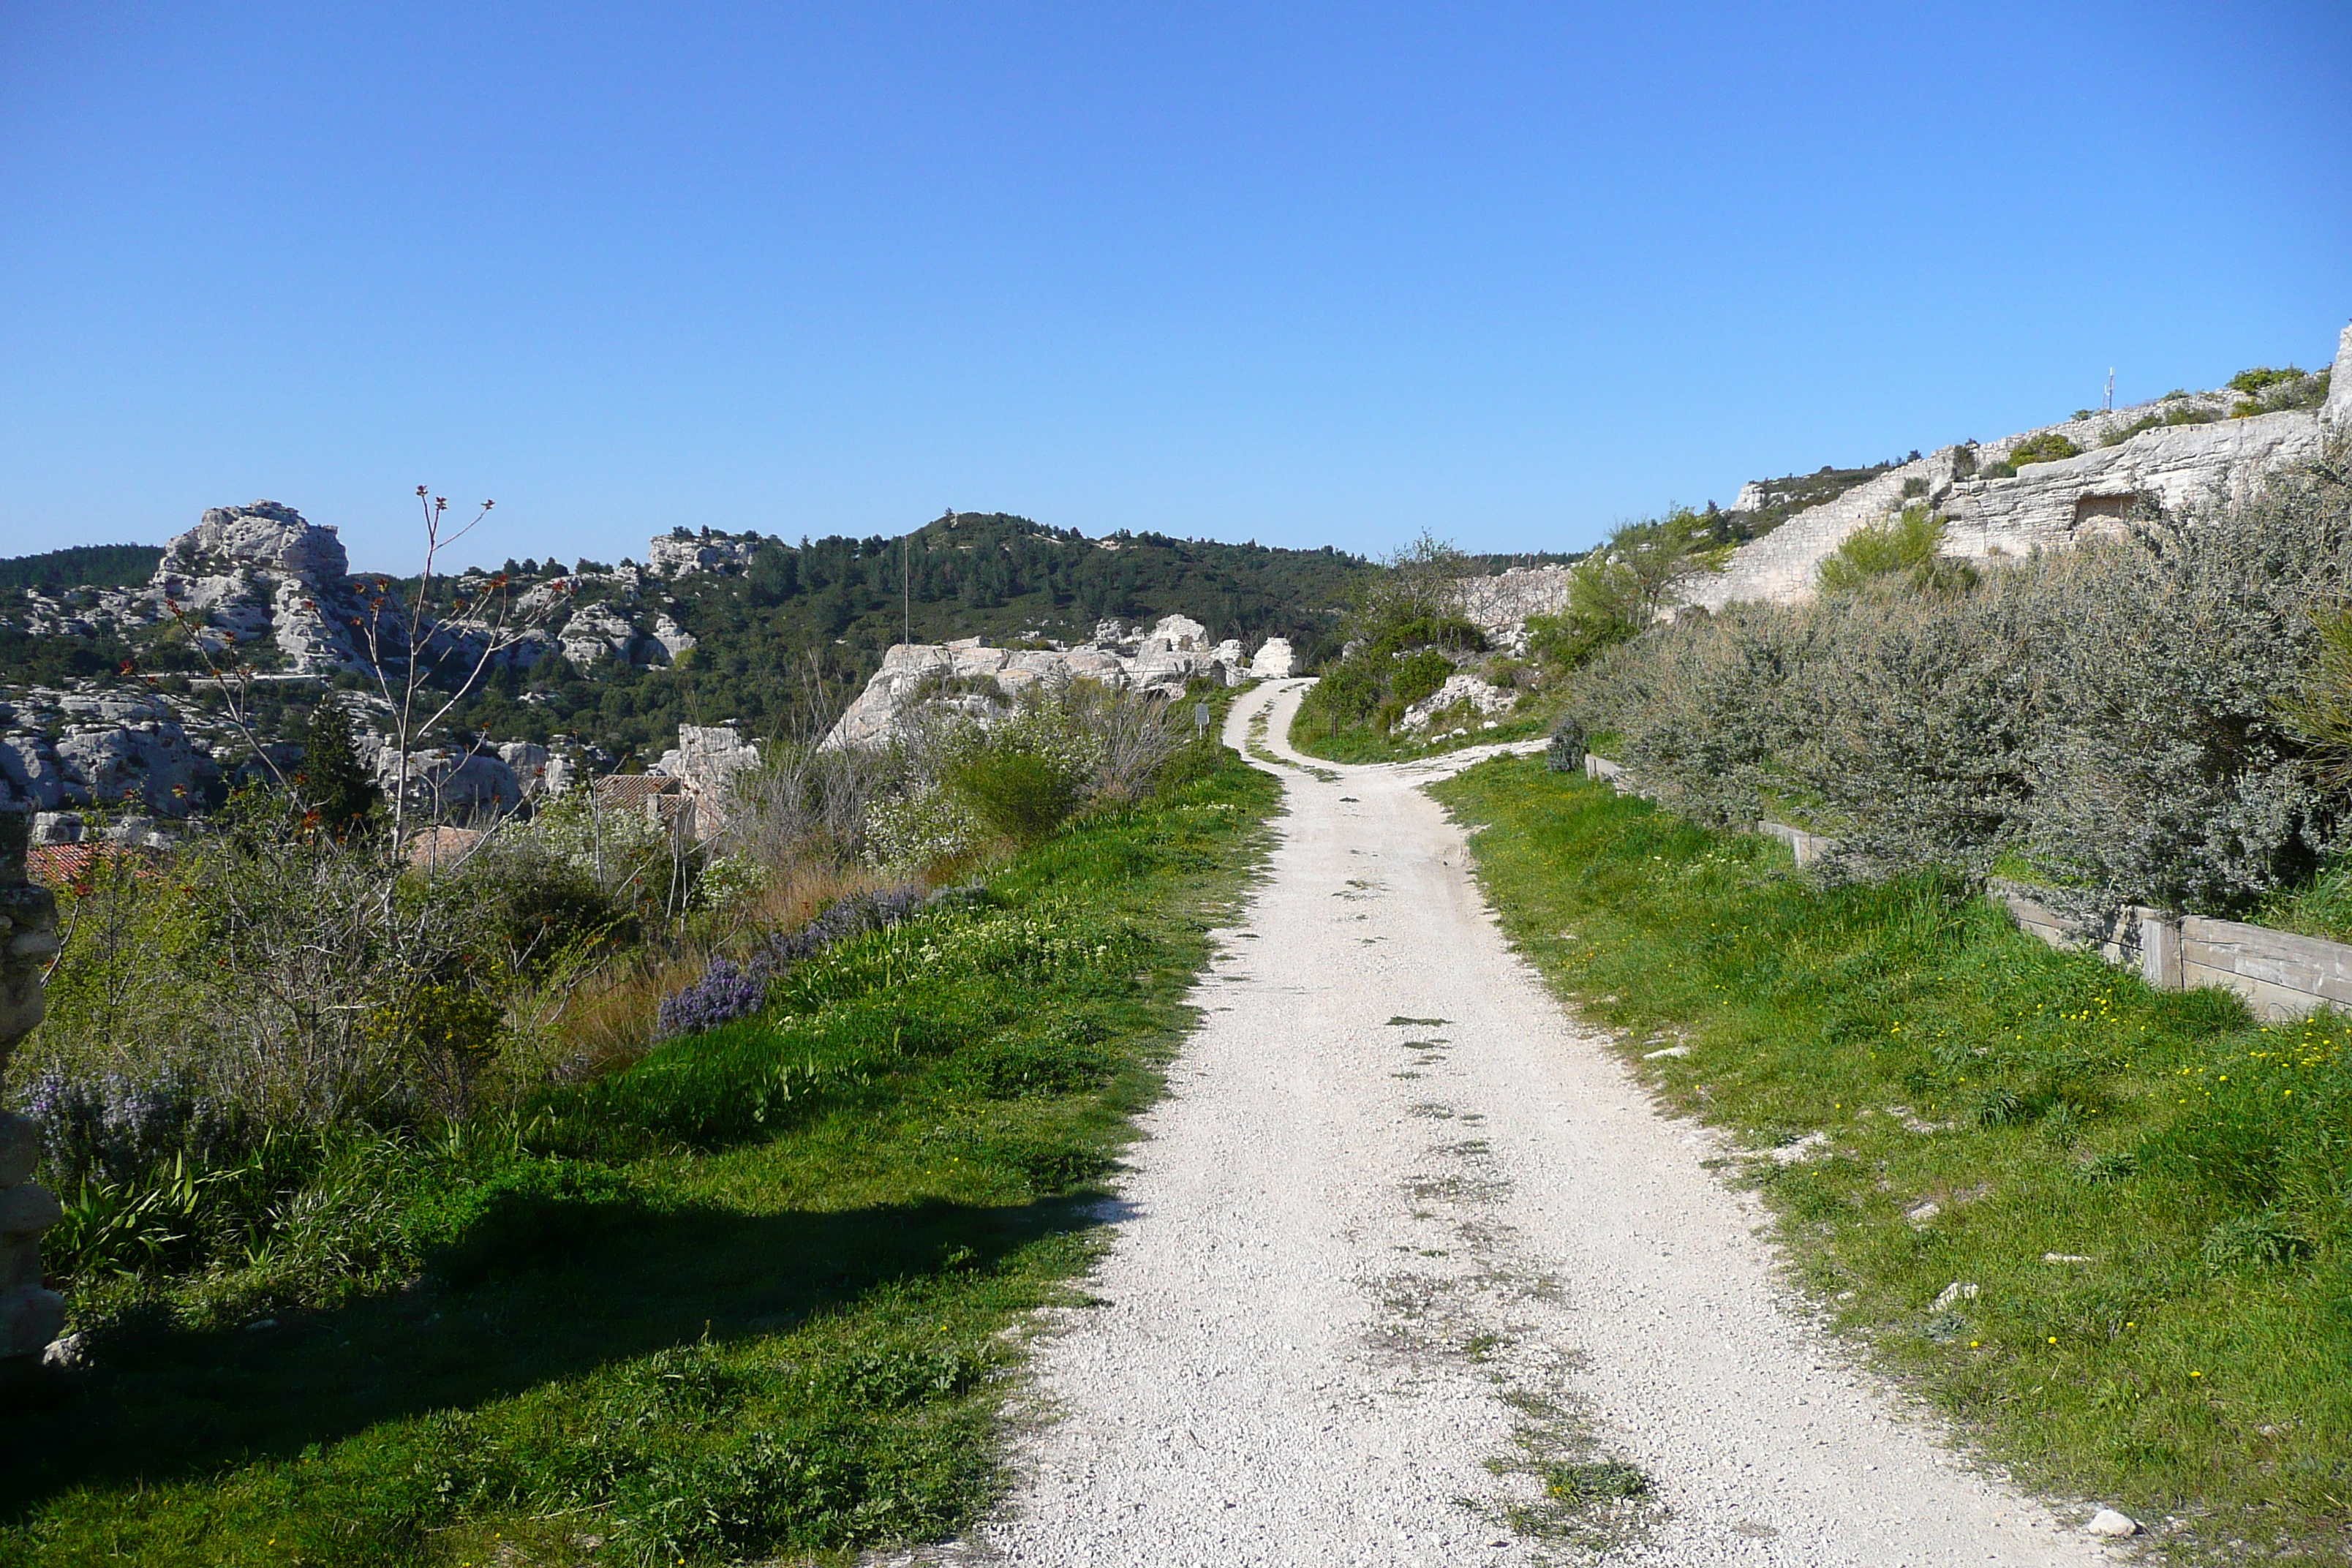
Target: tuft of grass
748	1298
2186	1166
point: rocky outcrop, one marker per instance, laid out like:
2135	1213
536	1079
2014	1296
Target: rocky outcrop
77	749
709	551
250	573
970	678
1482	696
2047	505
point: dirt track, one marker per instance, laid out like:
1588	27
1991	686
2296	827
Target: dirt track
1370	1276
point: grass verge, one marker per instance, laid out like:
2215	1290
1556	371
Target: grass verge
749	1298
1316	732
2104	1227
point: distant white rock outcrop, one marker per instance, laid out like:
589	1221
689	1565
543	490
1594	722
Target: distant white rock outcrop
2045	505
966	676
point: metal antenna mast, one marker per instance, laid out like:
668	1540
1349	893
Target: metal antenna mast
2111	389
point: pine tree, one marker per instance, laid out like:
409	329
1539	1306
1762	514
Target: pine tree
334	783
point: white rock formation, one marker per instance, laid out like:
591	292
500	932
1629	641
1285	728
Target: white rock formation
1488	700
1161	662
594	633
1499	605
248	572
671	556
1274	660
2045	505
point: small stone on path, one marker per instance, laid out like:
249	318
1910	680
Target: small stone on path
2107	1521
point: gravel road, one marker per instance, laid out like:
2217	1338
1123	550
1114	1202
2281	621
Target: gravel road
1405	1242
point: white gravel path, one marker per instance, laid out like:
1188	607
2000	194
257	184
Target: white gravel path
1351	1271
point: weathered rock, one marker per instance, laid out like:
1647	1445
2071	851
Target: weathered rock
1485	698
671	556
247	573
29	765
974	679
1274	660
1499	605
673	638
2107	1521
2045	505
20	1148
30	1316
152	763
597	632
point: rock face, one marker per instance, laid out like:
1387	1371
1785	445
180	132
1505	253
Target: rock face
108	747
30	1315
672	556
2046	504
964	676
1499	605
261	571
1487	698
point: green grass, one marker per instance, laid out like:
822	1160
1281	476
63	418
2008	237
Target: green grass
2197	1364
750	1298
1314	732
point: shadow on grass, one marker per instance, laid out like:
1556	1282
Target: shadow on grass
169	1405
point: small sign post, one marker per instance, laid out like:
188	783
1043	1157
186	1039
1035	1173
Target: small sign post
1201	720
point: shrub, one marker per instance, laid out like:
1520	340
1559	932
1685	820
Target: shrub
1020	795
1905	546
1565	753
2047	448
2121	710
1416	675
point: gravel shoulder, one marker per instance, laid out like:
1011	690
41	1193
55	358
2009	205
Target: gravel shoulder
1409	1271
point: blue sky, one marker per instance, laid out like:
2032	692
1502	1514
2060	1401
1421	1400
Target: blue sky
1305	274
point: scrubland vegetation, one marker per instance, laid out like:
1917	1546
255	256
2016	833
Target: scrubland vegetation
591	1196
2143	719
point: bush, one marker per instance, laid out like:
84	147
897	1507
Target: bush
2120	711
1565	753
2047	448
1020	795
1418	675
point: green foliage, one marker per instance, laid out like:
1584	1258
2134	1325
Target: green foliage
1021	795
711	1339
334	784
2047	448
1905	546
2119	711
82	567
1414	675
2200	1171
1565	752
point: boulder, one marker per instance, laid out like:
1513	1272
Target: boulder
1274	660
152	763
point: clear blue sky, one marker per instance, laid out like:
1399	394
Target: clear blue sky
1300	273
